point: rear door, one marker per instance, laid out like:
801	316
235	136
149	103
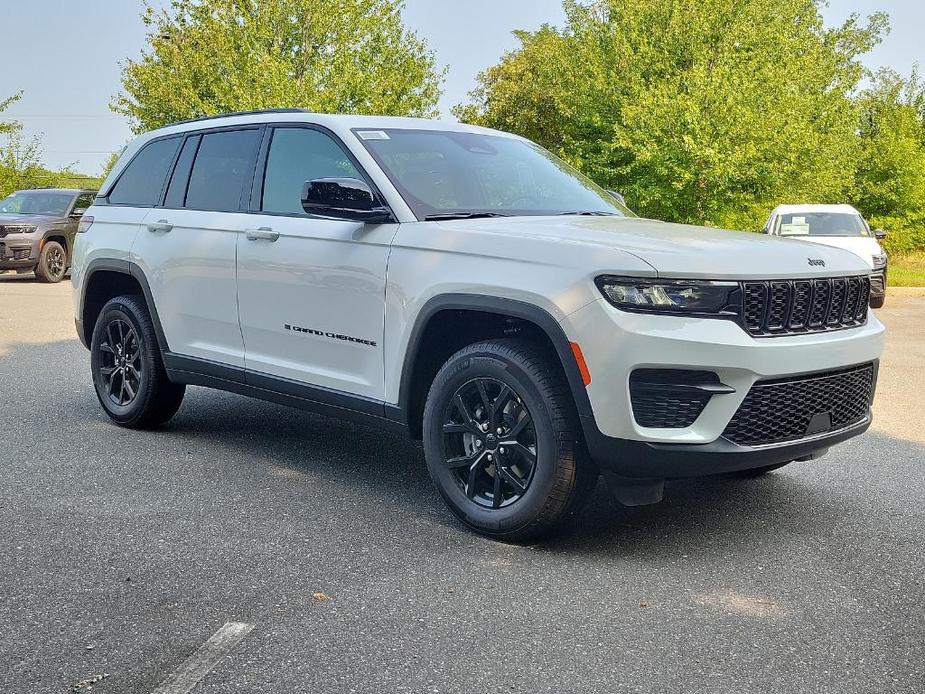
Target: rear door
188	244
117	216
311	291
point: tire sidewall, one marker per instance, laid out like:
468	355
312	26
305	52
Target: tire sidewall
525	510
127	414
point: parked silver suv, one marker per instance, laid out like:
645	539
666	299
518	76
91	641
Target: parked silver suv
37	230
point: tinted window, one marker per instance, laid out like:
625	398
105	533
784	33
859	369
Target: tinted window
223	164
298	155
142	181
176	191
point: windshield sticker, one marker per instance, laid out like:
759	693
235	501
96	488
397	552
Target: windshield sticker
373	135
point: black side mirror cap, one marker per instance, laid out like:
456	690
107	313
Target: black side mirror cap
880	234
78	212
344	198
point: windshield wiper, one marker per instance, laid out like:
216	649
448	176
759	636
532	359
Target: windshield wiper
462	215
589	213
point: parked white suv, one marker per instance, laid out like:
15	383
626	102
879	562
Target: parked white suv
467	287
841	226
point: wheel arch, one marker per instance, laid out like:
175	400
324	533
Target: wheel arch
418	368
106	279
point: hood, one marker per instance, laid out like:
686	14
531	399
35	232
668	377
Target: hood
12	219
679	250
862	246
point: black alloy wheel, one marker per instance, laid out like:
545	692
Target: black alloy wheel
120	364
56	261
128	371
501	440
490	442
52	264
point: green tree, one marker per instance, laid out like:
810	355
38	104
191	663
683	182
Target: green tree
707	112
890	186
214	56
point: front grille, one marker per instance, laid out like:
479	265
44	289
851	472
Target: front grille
801	406
669	398
786	307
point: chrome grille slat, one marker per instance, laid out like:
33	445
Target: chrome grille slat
777	307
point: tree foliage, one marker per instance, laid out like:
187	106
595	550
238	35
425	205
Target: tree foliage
213	56
890	185
707	111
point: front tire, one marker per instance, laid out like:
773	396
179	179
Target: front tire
52	263
501	443
877	301
128	372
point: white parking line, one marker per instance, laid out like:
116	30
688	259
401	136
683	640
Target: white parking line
198	665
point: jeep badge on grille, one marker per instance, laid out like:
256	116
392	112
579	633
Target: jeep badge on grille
816	262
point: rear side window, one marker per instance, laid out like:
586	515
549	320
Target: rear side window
224	163
143	179
298	155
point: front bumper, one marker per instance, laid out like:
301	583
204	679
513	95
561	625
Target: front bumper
18	253
616	343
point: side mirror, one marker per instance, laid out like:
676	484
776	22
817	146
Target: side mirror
880	234
78	212
343	198
618	197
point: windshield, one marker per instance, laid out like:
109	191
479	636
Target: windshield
445	174
36	203
822	224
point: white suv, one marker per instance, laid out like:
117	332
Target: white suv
469	288
841	226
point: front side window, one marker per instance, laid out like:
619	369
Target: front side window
143	179
822	224
298	155
446	173
36	202
84	200
223	165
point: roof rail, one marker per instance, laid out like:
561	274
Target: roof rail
238	113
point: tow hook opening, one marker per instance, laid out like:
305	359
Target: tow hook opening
636	491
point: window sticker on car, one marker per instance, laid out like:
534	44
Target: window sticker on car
373	135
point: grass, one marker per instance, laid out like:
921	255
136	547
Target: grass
907	270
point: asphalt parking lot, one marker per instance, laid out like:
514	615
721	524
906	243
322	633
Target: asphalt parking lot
122	552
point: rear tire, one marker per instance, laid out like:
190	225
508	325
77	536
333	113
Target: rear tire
501	441
128	372
52	264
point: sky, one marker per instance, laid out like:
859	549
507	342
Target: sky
66	56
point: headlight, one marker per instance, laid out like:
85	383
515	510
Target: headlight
683	297
879	261
19	229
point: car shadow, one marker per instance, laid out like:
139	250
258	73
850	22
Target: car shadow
253	438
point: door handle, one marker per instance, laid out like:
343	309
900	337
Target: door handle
261	234
160	225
